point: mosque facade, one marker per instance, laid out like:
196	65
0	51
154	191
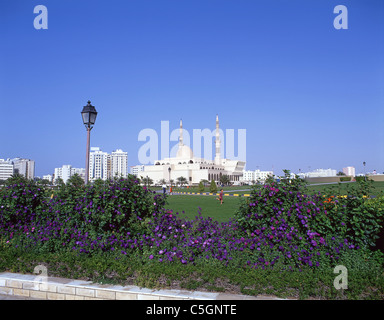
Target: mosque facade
194	169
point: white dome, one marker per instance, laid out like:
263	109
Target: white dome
184	152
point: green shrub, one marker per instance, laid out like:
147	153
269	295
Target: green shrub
201	187
115	206
355	216
275	201
213	187
21	200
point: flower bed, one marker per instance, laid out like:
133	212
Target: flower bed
279	227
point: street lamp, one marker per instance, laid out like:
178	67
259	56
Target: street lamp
89	115
169	175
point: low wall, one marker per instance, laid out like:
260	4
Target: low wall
52	288
322	179
376	177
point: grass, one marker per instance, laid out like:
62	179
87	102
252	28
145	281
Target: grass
341	188
134	270
188	206
244	189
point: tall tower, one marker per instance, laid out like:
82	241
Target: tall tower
217	143
181	133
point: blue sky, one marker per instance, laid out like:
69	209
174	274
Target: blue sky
309	96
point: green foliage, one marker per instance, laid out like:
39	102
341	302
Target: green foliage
213	187
181	180
107	206
75	181
275	201
365	278
201	187
17	178
20	200
355	216
147	181
280	214
224	179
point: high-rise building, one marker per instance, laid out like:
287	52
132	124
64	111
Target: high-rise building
119	163
98	164
349	171
6	169
25	167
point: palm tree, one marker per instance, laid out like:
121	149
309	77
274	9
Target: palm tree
181	180
147	181
224	179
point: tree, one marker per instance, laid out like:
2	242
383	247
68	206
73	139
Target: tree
15	179
205	182
75	181
181	180
224	179
213	187
201	187
147	181
340	173
59	182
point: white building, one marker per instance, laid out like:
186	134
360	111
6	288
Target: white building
321	173
251	176
135	170
66	171
25	167
349	171
119	164
192	168
48	177
6	169
99	162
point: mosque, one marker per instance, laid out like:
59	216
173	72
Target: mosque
192	168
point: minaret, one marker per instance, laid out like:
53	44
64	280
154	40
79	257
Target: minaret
217	143
181	133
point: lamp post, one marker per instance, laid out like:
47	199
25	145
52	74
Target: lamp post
89	115
169	175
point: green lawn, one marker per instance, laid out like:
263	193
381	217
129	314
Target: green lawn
210	206
188	205
342	187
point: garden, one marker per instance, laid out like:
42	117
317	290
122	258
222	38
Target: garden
283	240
